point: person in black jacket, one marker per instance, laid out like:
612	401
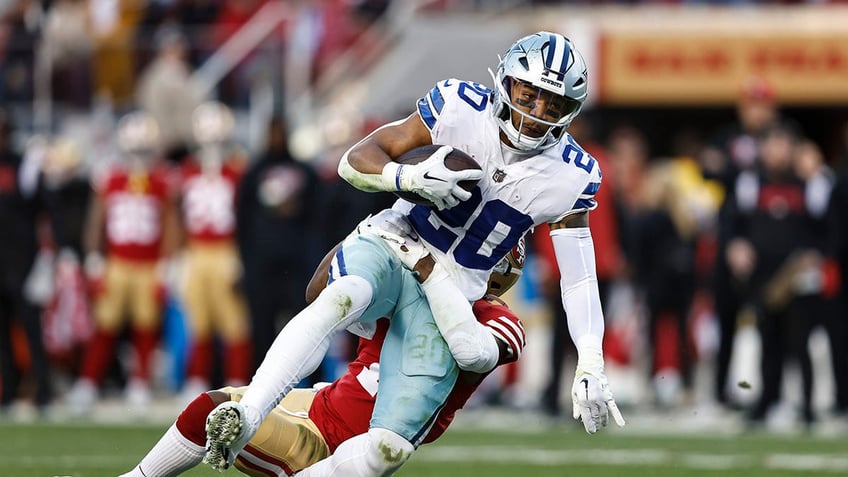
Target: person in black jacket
20	204
733	151
276	238
771	245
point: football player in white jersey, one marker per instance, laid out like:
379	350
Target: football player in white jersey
532	172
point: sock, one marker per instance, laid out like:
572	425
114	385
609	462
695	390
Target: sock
301	345
144	342
238	360
99	354
171	456
191	423
200	362
378	452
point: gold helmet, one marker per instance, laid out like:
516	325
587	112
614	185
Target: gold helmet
213	123
507	271
138	133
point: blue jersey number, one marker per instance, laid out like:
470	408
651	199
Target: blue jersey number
475	94
494	230
581	158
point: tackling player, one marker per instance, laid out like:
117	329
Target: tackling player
309	424
533	172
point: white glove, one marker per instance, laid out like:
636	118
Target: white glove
407	246
591	396
435	182
386	221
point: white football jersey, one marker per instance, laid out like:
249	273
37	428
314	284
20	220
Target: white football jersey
516	193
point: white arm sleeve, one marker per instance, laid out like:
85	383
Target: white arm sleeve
471	343
575	254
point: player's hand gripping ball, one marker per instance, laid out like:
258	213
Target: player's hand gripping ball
447	176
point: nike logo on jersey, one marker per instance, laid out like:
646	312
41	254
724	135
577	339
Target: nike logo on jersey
428	176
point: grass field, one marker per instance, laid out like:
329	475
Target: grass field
83	450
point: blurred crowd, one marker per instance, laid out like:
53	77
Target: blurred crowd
155	253
746	227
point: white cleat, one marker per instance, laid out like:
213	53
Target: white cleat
226	435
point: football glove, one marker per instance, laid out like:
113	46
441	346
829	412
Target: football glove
432	180
386	221
407	246
591	396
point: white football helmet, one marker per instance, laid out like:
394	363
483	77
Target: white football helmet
508	270
551	69
138	133
212	123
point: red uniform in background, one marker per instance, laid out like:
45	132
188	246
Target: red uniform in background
213	303
129	216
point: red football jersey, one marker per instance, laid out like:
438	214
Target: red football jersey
343	409
134	205
208	201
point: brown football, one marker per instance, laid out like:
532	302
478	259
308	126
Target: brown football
455	161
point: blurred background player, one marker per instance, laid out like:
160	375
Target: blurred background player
129	235
309	424
210	289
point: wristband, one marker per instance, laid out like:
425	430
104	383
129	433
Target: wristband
391	175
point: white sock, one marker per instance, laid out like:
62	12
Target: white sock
171	456
379	452
301	345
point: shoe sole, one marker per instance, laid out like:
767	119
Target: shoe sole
222	429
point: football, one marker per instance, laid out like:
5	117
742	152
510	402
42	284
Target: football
455	161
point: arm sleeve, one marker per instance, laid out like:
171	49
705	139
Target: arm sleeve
471	343
575	253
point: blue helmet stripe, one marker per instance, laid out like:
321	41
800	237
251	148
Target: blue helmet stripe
426	113
558	52
552	45
565	54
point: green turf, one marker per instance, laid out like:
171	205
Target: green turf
101	451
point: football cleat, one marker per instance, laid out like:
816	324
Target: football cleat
226	435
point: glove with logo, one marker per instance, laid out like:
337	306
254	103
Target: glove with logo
432	180
590	394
